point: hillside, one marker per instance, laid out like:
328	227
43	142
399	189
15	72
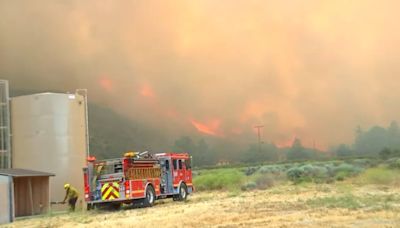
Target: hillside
112	134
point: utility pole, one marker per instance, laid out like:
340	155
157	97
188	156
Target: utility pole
259	136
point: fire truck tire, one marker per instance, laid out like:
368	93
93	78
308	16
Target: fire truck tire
90	206
116	206
183	192
150	196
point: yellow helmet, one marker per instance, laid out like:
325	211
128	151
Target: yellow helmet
66	186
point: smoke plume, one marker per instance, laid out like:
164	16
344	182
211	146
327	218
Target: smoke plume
309	69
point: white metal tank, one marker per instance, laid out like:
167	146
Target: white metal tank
49	135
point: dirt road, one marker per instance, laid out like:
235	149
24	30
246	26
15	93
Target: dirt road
281	206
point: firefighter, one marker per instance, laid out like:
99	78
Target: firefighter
72	195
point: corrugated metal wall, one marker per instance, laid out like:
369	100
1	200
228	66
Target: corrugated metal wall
5	199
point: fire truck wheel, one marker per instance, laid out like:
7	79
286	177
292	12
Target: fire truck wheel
150	196
90	206
116	206
182	192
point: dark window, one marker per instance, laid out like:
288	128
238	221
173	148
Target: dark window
187	163
167	164
180	164
174	162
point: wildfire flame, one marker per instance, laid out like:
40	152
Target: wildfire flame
285	143
147	91
211	128
106	84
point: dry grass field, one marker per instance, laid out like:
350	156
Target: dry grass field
342	204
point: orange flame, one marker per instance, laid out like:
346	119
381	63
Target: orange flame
284	144
209	129
106	84
147	91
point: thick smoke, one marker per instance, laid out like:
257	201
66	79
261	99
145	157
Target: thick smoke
310	69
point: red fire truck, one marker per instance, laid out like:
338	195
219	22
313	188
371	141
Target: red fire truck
137	177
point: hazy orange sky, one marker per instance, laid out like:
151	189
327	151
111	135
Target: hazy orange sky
308	68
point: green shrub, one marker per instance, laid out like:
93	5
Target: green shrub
265	169
221	179
322	172
274	169
319	172
264	181
380	176
259	181
271	169
288	166
393	163
365	163
340	176
303	173
249	186
336	163
347	168
295	174
330	169
250	170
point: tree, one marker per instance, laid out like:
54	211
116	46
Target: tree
393	129
385	153
393	134
184	144
201	153
297	144
268	152
297	151
371	142
204	154
343	151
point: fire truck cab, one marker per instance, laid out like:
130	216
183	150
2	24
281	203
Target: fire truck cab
176	175
137	177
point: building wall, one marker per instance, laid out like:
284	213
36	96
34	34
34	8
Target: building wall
49	135
5	200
